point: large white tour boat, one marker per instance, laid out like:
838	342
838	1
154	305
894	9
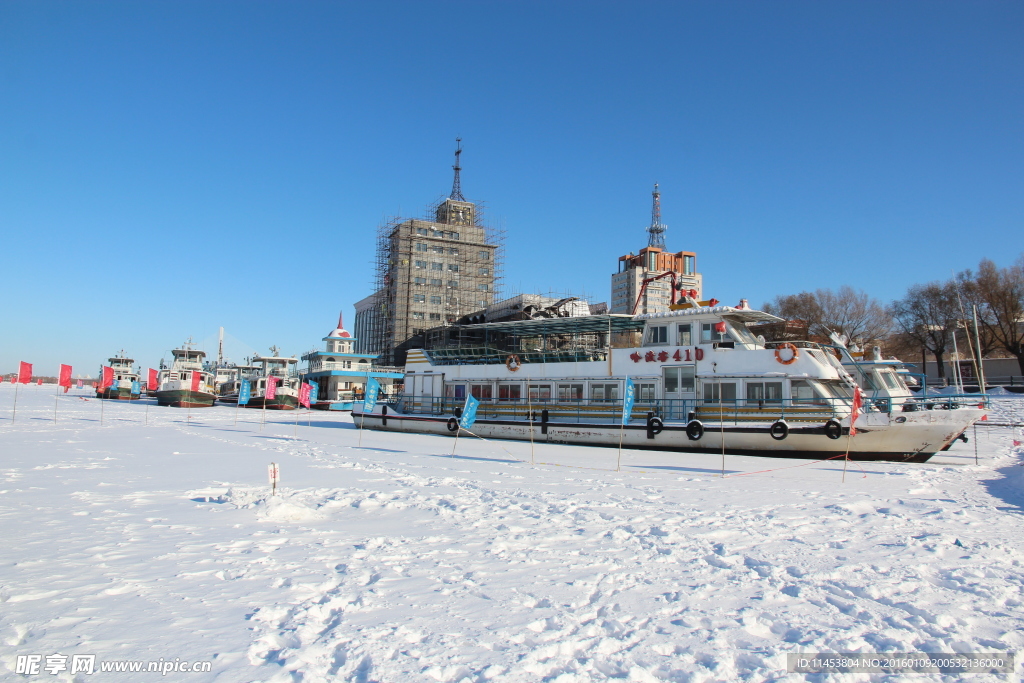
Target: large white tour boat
703	383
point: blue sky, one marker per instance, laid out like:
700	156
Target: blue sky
170	167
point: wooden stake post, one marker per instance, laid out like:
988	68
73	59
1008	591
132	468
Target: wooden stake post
274	475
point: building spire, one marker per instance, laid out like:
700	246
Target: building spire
657	228
457	184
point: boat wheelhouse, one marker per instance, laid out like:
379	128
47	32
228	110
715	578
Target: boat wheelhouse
185	384
286	396
229	378
124	378
703	383
341	374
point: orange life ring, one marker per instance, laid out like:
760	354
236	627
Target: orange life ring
513	363
791	347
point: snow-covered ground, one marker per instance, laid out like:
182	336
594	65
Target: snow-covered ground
395	561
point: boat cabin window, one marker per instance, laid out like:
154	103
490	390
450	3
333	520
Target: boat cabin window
869	380
679	379
837	388
540	392
645	392
890	380
740	332
481	392
720	392
770	392
657	334
456	391
683	335
510	392
604	392
570	392
708	333
803	391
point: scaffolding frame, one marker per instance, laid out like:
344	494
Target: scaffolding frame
414	281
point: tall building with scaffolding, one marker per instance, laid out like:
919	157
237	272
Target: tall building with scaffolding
430	271
628	291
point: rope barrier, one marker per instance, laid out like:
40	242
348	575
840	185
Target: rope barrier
803	464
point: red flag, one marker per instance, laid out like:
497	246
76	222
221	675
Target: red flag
80	384
154	382
107	377
40	381
304	394
271	392
64	378
857	403
196	377
24	372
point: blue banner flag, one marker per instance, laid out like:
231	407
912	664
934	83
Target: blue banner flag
469	412
627	401
314	389
372	392
244	392
136	387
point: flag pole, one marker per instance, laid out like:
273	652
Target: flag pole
846	458
263	421
55	397
622	430
15	414
529	407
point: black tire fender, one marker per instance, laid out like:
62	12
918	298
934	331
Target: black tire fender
453	424
694	430
655	425
779	430
833	429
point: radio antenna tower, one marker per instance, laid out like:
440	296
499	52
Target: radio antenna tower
657	228
457	184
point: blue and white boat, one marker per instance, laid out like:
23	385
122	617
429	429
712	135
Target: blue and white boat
341	374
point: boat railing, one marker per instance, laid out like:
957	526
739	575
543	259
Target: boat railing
492	356
730	411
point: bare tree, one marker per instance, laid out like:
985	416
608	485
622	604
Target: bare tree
927	315
849	312
1000	292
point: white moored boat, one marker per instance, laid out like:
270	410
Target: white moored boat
702	380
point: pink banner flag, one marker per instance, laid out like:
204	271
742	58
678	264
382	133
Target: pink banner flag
304	394
196	379
154	381
271	388
81	384
106	377
40	382
857	402
24	373
64	378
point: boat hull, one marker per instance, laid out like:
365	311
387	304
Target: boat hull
277	403
333	405
915	438
118	394
184	398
